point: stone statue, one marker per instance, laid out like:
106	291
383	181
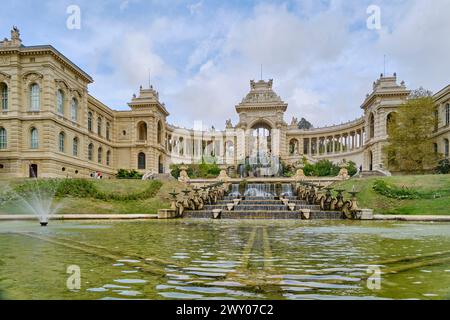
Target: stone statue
299	175
184	177
294	121
223	176
15	33
228	124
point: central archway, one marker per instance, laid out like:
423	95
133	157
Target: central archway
260	143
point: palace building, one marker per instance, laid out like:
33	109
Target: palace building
50	126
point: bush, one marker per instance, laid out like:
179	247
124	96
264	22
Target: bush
203	170
351	168
80	188
443	166
128	174
381	187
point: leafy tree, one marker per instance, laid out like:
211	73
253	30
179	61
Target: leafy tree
305	124
443	166
410	147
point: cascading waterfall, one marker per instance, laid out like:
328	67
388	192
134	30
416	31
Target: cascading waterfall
235	190
260	190
286	190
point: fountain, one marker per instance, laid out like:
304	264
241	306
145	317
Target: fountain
286	190
37	197
260	190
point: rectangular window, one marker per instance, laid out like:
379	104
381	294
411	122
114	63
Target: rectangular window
75	147
4	96
447	115
61	142
35	97
3	139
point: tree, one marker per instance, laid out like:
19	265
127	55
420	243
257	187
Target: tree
305	124
410	147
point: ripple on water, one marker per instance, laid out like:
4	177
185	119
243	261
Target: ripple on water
102	289
179	295
128	293
115	286
131	281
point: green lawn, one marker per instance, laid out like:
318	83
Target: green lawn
82	205
368	198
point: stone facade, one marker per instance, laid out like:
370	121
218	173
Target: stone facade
51	127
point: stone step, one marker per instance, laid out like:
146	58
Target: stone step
261	202
262	207
315	215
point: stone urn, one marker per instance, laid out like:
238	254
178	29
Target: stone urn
291	206
230	206
184	177
236	201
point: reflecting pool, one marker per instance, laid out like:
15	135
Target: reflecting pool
216	259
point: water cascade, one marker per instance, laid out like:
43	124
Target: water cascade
260	190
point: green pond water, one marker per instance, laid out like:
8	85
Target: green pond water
206	259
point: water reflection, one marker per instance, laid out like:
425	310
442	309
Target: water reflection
225	259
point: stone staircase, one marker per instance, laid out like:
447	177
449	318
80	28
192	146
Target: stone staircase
262	208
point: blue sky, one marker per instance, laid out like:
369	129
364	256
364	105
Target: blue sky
202	53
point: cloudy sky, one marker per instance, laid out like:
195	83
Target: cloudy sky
202	53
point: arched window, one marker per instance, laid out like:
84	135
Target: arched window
62	141
90	121
229	149
35	97
60	102
100	155
108	129
260	143
142	131
447	114
4	96
91	152
74	110
159	134
446	148
3	138
293	147
371	126
141	161
34	138
390	122
75	147
435	148
99	126
108	158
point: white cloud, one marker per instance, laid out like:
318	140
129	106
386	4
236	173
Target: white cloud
195	8
321	56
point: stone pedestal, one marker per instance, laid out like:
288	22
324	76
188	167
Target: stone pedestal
306	214
167	214
217	213
366	214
